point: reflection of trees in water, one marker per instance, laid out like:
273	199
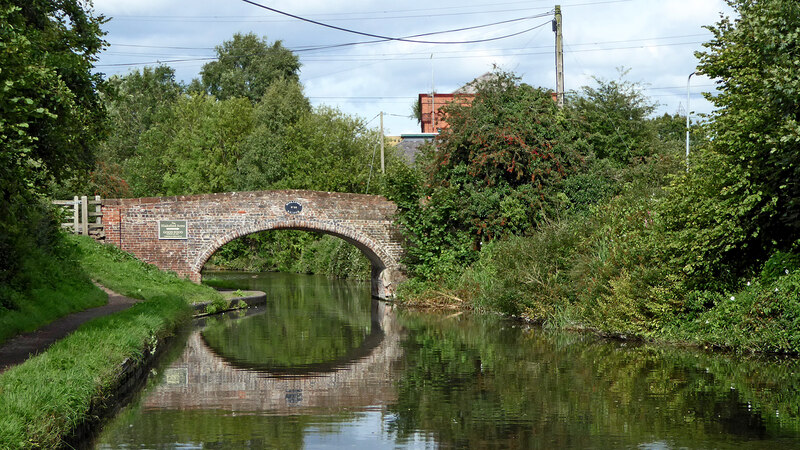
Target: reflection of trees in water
303	325
205	400
479	382
311	344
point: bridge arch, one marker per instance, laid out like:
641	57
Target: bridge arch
206	222
378	256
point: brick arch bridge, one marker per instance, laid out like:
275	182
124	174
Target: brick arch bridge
181	233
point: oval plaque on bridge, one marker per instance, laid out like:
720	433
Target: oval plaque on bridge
293	207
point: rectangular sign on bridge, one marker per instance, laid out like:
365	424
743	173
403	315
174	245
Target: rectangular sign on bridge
172	229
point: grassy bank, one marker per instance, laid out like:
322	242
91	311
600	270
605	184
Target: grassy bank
43	400
126	275
53	286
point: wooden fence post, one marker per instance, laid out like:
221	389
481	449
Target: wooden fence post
85	215
75	216
99	216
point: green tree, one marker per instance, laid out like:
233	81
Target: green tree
670	134
245	67
136	102
197	150
295	147
496	170
615	119
264	154
50	109
756	59
741	199
51	117
330	151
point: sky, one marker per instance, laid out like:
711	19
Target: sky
653	40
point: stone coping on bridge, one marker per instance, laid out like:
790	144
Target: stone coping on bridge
222	195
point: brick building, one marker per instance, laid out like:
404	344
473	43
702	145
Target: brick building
433	123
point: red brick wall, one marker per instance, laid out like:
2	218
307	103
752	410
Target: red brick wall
439	101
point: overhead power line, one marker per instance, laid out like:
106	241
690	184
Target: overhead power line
654	38
454	30
357	58
528	47
319	47
347	44
397	97
390	38
362	15
250	19
381	39
159	46
412	58
438	8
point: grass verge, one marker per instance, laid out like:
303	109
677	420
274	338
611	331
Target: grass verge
44	400
55	287
48	397
126	275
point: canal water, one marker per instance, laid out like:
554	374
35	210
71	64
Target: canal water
322	365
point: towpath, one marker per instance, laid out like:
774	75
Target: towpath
19	348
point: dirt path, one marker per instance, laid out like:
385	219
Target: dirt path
19	348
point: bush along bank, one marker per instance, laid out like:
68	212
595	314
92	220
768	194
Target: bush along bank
51	397
614	270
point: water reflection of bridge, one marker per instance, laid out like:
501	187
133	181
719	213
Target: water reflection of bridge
200	379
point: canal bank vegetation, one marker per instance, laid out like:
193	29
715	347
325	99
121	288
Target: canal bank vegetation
46	399
295	252
46	285
124	274
595	221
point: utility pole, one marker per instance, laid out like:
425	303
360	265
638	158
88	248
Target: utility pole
383	169
688	115
433	100
559	57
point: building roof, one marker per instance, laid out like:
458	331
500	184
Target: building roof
410	143
472	86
